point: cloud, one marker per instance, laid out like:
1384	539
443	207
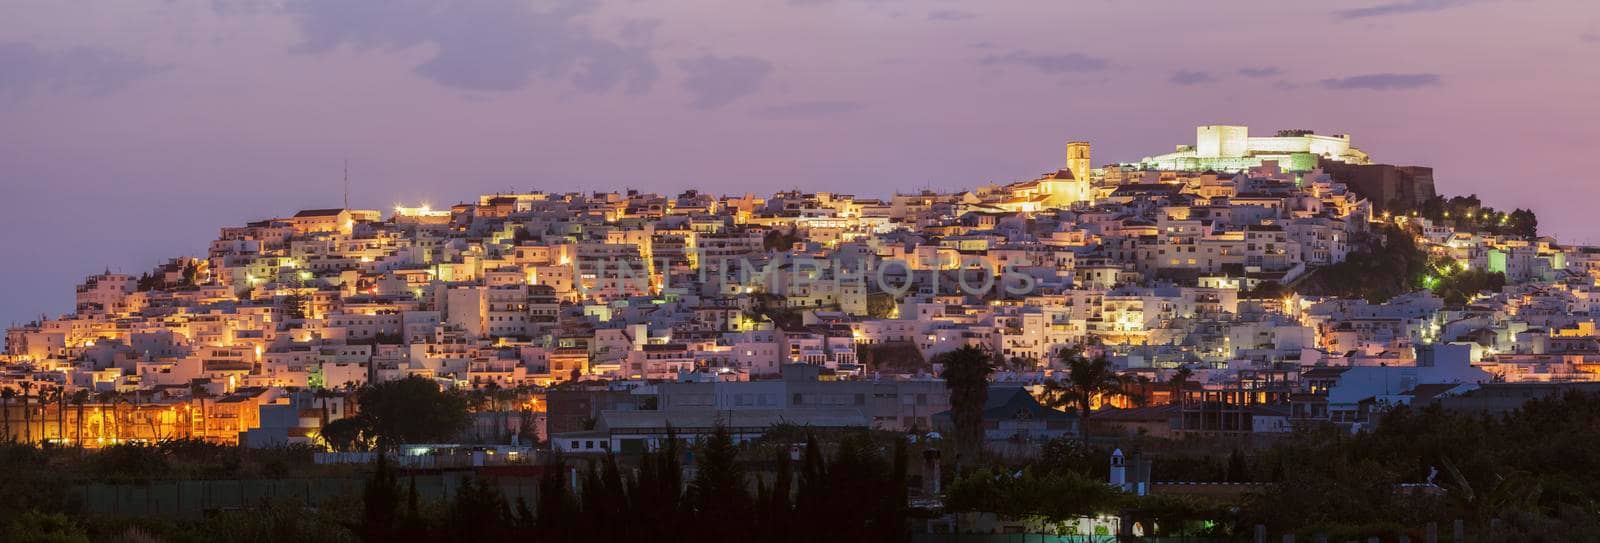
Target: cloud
484	45
1260	71
717	81
639	30
1590	37
1384	81
800	110
1050	64
1185	77
1400	8
241	7
82	71
951	15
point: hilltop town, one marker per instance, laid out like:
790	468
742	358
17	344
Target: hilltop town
1240	285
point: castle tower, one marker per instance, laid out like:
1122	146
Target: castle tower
1078	159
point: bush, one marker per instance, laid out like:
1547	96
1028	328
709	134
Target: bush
36	527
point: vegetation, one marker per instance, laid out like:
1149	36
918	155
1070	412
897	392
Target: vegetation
966	374
294	307
36	527
880	305
410	410
1066	483
1457	285
1533	470
901	357
1387	264
1384	264
1051	496
781	240
1088	381
1528	475
1468	214
860	491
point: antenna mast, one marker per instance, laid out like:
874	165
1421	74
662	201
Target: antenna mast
347	182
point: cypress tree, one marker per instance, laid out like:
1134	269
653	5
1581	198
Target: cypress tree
380	499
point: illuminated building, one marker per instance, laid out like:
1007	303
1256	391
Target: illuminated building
1227	148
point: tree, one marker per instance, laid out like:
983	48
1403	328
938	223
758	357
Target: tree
718	495
880	305
199	392
781	241
1087	380
966	375
27	416
1238	470
411	410
776	510
659	490
891	519
477	513
1524	223
1459	287
344	435
1180	381
1379	266
556	507
294	307
1049	496
61	414
5	408
811	498
380	501
80	398
108	425
37	527
191	273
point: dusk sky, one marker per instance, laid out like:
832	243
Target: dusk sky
131	131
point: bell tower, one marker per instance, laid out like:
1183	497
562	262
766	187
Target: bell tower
1078	159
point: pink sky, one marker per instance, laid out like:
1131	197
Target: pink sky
132	130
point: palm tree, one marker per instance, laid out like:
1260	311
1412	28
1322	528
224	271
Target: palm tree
78	399
5	407
1087	380
44	413
1142	395
27	416
1516	490
107	427
1180	381
492	391
61	414
199	392
966	374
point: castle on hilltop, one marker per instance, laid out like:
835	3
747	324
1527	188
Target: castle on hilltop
1227	148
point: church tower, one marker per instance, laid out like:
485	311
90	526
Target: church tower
1078	159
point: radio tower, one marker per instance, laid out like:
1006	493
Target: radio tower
347	182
